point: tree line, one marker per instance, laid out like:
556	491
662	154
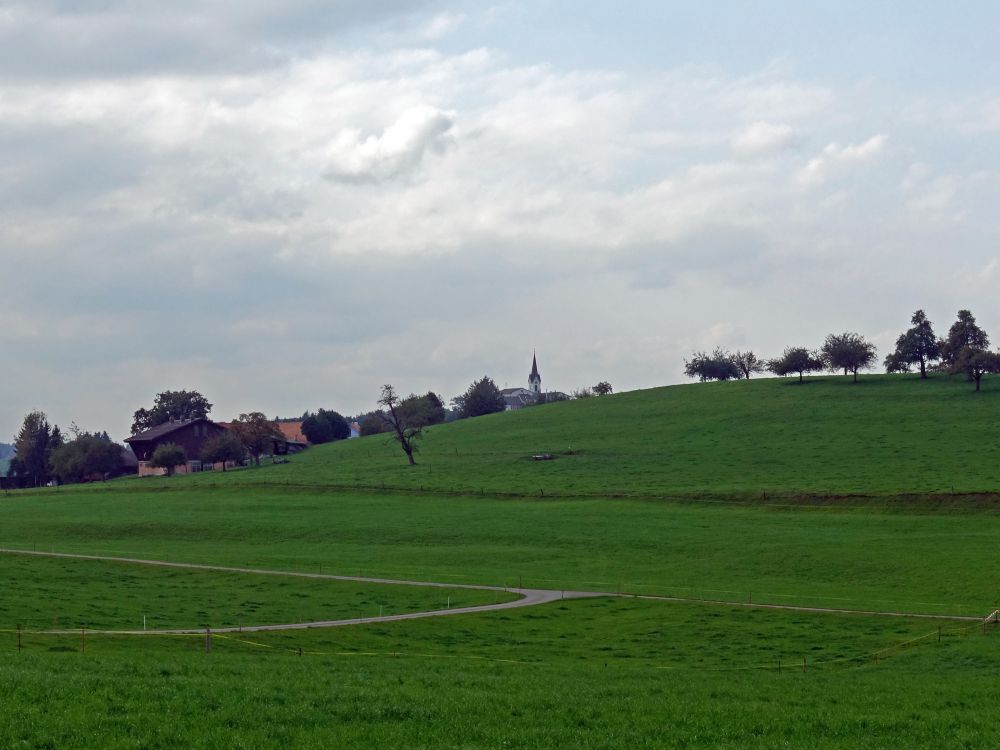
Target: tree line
965	350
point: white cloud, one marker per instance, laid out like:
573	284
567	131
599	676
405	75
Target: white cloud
399	149
835	157
764	138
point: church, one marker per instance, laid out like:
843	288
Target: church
518	398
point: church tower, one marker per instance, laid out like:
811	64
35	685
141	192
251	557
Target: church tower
534	379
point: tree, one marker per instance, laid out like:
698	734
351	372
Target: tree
256	433
747	363
796	359
222	448
373	423
168	456
34	445
916	345
977	362
482	397
403	421
603	388
582	393
895	362
718	365
178	405
849	352
85	456
964	333
325	427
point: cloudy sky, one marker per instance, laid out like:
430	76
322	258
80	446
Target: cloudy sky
285	205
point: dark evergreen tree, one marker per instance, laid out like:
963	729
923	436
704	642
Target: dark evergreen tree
482	397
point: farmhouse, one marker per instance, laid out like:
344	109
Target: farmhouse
189	434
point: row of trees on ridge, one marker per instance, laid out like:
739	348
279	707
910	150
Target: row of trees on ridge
965	350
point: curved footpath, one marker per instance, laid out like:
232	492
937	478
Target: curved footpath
528	597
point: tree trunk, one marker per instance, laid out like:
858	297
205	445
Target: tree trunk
978	378
923	369
855	376
409	457
800	377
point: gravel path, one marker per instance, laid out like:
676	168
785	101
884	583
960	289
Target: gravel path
528	597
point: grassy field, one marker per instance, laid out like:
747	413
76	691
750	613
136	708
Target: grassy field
887	435
873	557
600	673
657	492
42	593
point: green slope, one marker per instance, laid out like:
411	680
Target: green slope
887	435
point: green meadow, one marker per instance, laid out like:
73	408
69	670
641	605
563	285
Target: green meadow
887	435
880	496
601	673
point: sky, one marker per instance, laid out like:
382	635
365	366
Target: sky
286	205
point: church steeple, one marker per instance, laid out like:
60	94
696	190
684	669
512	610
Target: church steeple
534	379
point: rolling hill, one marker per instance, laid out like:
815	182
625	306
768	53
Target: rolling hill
887	435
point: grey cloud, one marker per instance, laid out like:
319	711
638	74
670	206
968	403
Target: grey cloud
135	37
734	255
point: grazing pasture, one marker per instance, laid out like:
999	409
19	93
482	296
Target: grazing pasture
724	495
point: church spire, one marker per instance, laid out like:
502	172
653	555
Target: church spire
534	379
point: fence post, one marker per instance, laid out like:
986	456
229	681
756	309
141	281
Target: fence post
19	637
83	641
208	640
803	664
939	633
779	666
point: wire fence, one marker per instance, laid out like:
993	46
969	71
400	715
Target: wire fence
79	640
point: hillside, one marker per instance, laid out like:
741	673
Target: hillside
887	435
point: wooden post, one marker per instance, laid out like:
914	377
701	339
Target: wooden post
83	641
19	637
208	640
779	666
803	664
300	650
939	633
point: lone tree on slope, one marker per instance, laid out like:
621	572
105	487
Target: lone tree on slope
796	359
849	352
404	418
916	345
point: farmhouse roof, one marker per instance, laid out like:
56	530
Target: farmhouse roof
292	432
163	429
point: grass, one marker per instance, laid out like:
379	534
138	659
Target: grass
881	496
887	435
41	593
873	557
600	673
